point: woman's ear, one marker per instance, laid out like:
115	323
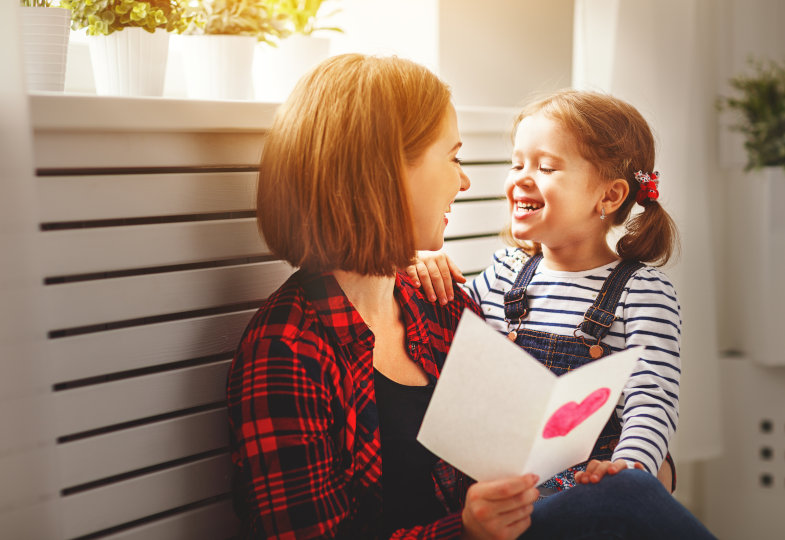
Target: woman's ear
615	194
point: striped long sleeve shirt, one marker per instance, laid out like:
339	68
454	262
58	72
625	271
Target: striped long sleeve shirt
648	314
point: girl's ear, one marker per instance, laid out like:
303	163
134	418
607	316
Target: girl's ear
615	194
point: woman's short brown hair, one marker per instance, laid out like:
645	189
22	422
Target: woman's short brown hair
331	193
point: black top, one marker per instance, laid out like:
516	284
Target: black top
409	497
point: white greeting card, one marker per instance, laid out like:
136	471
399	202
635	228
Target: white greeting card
498	412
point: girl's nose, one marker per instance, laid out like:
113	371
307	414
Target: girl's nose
523	179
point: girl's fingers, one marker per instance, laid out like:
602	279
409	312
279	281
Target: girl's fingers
621	464
411	271
425	280
584	477
436	274
595	470
443	267
456	273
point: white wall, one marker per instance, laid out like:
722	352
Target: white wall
493	53
500	52
746	28
738	505
407	28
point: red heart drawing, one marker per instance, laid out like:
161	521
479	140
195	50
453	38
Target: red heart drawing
570	415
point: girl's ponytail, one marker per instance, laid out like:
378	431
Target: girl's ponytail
651	236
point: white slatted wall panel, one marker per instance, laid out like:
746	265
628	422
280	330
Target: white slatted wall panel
153	267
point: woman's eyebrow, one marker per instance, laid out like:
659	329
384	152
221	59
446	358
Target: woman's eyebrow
456	147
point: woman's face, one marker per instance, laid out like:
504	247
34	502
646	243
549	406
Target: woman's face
433	182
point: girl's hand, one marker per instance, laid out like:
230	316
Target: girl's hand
500	509
595	470
665	476
435	271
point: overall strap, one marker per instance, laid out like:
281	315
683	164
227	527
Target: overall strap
598	318
516	305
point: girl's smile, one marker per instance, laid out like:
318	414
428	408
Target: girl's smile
525	207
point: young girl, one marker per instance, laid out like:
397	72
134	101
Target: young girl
581	162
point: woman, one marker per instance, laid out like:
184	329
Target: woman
332	377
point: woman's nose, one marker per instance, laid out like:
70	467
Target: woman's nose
465	182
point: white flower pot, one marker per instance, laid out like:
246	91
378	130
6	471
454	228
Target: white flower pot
130	62
45	33
757	243
773	284
218	66
277	69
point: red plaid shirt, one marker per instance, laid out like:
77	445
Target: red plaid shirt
304	425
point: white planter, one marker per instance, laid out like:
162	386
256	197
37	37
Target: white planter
45	33
130	62
757	246
277	69
218	66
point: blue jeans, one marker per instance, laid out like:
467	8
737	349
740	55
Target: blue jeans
631	504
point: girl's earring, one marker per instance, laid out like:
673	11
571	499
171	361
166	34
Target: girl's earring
602	212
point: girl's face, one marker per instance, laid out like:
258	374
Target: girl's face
433	182
552	191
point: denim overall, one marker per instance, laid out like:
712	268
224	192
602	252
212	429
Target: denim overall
561	354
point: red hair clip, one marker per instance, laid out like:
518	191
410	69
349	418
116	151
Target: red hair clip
648	190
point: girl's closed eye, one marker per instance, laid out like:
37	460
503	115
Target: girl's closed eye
458	160
546	170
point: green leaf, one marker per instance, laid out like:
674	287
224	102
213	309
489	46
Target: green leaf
759	110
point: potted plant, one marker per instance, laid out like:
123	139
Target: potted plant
129	42
279	68
45	33
304	15
760	107
755	218
219	45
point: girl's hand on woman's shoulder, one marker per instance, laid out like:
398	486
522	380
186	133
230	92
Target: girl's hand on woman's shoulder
434	271
595	470
499	509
